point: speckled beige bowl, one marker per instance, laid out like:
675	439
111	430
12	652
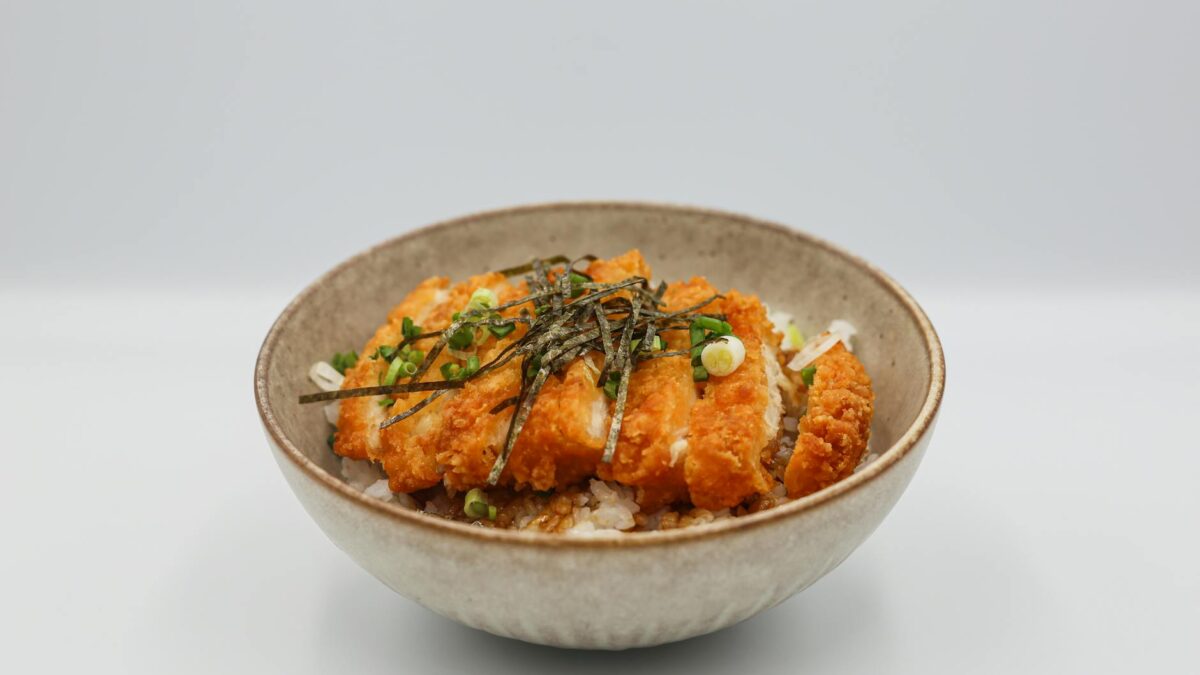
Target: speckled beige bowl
623	590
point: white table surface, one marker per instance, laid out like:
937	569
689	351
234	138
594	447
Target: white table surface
1052	528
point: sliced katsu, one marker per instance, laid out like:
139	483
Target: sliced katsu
569	375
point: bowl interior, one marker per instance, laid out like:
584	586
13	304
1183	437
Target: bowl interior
789	271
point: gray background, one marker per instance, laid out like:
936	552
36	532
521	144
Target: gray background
171	173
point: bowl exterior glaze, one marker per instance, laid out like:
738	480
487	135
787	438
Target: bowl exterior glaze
614	591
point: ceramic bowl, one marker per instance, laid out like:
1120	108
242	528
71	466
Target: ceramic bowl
619	590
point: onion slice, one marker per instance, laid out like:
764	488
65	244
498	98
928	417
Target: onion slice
325	376
839	331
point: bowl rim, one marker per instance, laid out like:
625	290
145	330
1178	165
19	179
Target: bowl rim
887	459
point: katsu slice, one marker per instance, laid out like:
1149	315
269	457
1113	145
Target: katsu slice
653	441
836	427
409	447
564	434
738	416
357	434
563	439
472	434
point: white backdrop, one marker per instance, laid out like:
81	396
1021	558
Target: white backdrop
171	174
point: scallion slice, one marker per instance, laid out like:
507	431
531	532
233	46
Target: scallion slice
409	329
807	374
393	372
343	361
462	338
610	387
709	323
724	356
475	505
482	298
502	329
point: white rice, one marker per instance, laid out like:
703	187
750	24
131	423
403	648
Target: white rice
605	506
360	474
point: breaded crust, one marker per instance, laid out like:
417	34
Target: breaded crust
563	439
728	430
675	444
657	412
471	435
358	420
410	447
835	429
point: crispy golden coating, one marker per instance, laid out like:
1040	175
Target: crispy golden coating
563	439
359	418
653	439
410	447
679	441
728	428
629	264
835	429
471	435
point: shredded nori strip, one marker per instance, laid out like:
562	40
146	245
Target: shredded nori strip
605	341
413	410
522	269
386	389
504	405
624	361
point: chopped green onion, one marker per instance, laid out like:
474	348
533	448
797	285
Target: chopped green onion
408	367
696	332
491	512
342	361
576	280
482	298
724	356
385	352
450	371
807	374
610	387
503	329
475	505
699	374
695	354
462	338
415	356
386	402
795	337
393	372
329	440
409	329
715	325
472	365
658	344
534	364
